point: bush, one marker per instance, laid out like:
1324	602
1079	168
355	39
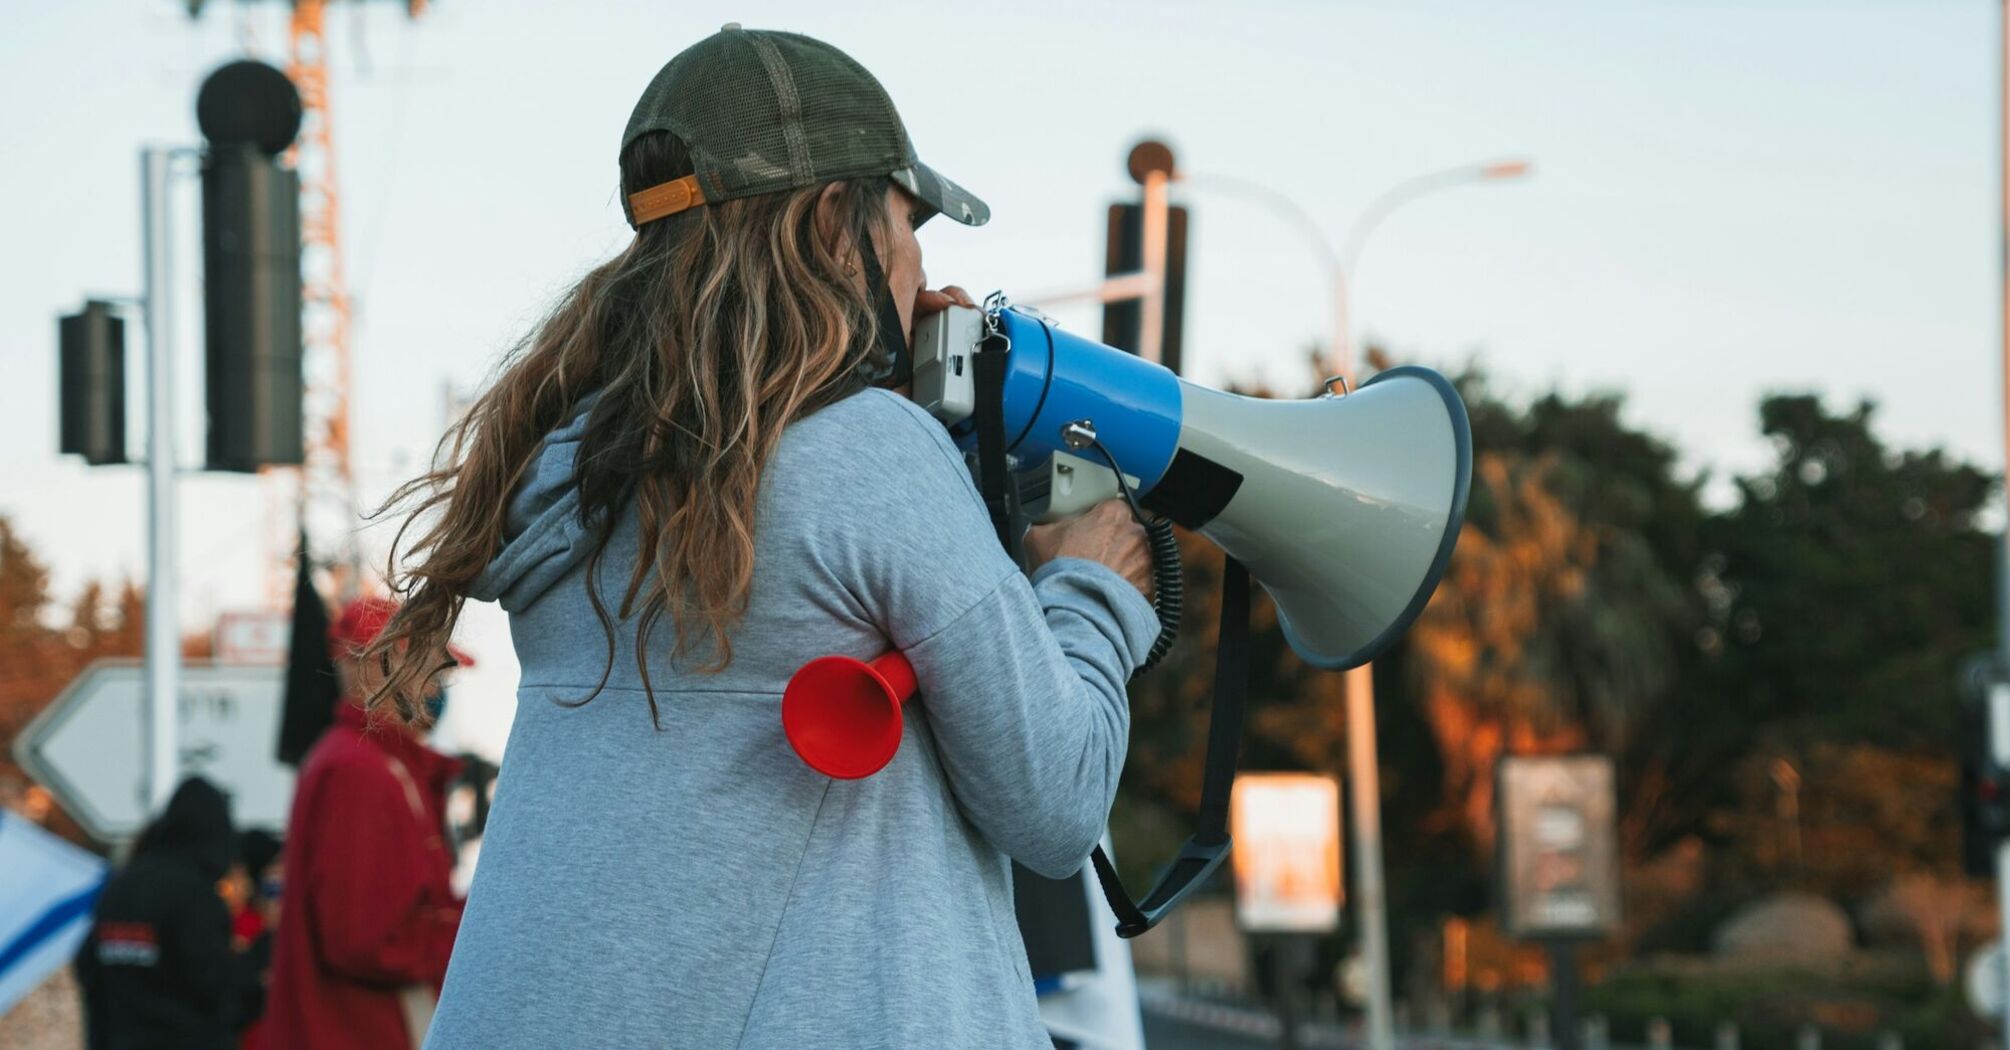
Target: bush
1851	1004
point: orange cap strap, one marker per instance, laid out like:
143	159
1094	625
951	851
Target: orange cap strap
663	199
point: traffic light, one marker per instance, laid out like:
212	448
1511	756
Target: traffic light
91	380
249	113
1985	782
1125	253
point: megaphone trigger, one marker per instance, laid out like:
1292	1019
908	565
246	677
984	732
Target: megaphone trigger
1168	574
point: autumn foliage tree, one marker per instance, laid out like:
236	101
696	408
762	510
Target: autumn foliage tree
44	643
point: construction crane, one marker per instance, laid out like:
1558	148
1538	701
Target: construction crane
323	494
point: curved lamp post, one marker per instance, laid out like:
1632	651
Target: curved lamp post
1363	776
1340	263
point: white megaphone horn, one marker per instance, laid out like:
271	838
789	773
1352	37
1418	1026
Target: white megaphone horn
1345	507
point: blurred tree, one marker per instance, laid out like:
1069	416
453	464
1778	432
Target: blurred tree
40	653
32	655
1568	618
1848	582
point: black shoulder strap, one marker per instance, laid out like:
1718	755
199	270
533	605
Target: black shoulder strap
1209	845
988	366
1231	686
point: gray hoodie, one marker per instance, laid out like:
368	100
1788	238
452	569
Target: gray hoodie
698	885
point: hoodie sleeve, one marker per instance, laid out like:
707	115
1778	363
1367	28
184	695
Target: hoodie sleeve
1022	681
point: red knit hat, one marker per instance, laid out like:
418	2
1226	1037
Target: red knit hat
363	620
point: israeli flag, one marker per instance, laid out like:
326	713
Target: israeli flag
47	890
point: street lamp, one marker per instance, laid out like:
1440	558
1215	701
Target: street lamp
1358	685
1339	264
1342	361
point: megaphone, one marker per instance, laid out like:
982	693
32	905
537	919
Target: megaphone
1344	507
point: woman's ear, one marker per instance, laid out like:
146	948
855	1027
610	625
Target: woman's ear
828	225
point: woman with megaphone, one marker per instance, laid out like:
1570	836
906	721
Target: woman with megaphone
693	476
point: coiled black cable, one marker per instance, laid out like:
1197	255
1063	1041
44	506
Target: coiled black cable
1168	589
1168	574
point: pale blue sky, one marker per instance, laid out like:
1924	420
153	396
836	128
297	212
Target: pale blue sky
1729	197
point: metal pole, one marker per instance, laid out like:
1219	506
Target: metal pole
1340	356
1999	693
1287	972
1364	792
1563	1028
1151	320
1364	779
163	642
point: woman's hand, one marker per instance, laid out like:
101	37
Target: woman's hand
1106	533
934	301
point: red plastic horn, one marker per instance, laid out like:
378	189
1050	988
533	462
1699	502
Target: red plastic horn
843	715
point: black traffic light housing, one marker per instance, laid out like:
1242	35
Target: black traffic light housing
91	381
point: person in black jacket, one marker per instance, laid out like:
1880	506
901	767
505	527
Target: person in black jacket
157	968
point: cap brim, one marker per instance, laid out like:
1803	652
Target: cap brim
942	195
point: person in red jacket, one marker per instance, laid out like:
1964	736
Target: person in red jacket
369	914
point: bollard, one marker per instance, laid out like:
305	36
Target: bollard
1438	1015
1659	1035
1727	1035
1489	1025
1597	1033
1808	1038
1538	1030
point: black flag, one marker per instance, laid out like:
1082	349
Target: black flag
311	690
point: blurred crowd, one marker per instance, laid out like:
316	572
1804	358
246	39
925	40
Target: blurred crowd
210	937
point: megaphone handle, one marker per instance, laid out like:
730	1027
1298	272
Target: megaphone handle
893	669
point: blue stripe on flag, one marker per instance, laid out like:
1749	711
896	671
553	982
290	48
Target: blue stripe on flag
60	914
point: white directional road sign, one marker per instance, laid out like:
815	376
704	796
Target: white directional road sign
90	746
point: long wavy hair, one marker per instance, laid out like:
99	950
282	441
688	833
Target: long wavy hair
711	332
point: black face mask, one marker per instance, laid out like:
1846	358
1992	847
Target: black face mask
900	360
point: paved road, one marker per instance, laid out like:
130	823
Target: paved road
1175	1023
1167	1033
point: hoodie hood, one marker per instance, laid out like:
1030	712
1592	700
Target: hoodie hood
195	825
544	536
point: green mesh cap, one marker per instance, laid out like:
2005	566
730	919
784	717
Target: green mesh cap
764	111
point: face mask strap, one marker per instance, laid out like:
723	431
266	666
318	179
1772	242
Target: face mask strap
891	339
